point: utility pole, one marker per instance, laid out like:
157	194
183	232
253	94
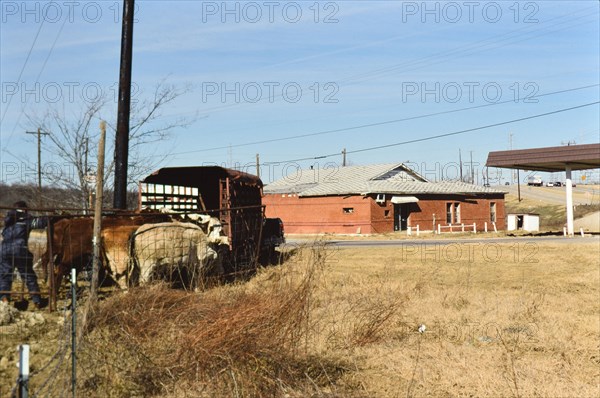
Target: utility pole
513	175
258	165
518	185
85	159
344	157
460	165
86	170
472	171
39	150
124	108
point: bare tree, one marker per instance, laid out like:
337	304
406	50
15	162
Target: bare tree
73	138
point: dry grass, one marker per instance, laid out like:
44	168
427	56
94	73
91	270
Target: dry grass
522	323
502	320
552	216
249	339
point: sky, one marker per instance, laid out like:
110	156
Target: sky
296	82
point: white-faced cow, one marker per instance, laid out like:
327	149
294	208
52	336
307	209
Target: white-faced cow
177	250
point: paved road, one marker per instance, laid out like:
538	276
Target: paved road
555	195
432	242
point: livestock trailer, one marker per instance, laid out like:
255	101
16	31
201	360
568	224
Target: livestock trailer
234	197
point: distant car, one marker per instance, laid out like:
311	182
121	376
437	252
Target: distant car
558	184
507	183
549	184
535	181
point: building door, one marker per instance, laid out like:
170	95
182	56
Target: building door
401	216
520	222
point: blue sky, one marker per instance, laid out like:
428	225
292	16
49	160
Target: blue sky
356	62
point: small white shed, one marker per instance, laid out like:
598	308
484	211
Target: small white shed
523	221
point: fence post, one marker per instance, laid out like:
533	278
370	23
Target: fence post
409	231
50	266
581	231
462	226
73	330
495	229
485	226
97	231
23	391
417	229
98	215
474	228
439	229
564	231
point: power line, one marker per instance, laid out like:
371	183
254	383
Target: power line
37	79
443	56
23	68
433	137
374	124
480	45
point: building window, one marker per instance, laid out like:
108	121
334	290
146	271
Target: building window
452	213
348	210
386	213
456	213
493	211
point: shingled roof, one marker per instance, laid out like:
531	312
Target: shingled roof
393	178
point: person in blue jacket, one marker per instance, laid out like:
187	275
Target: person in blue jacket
15	254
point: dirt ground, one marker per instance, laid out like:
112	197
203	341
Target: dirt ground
494	320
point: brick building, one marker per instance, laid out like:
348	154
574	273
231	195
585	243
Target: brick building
378	199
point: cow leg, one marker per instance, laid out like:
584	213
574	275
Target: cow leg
121	281
145	272
58	278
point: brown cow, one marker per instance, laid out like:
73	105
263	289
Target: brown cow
116	248
72	240
72	246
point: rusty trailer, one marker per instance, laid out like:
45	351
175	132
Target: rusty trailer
234	197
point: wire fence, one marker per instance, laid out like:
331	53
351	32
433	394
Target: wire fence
185	250
47	377
180	247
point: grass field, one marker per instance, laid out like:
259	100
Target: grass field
517	320
499	320
552	216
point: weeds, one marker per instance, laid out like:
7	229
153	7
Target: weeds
346	324
240	340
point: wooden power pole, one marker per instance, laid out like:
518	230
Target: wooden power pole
472	171
39	156
124	108
460	165
258	165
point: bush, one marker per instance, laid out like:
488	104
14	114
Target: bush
242	340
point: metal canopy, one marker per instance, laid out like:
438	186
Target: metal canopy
577	157
557	158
